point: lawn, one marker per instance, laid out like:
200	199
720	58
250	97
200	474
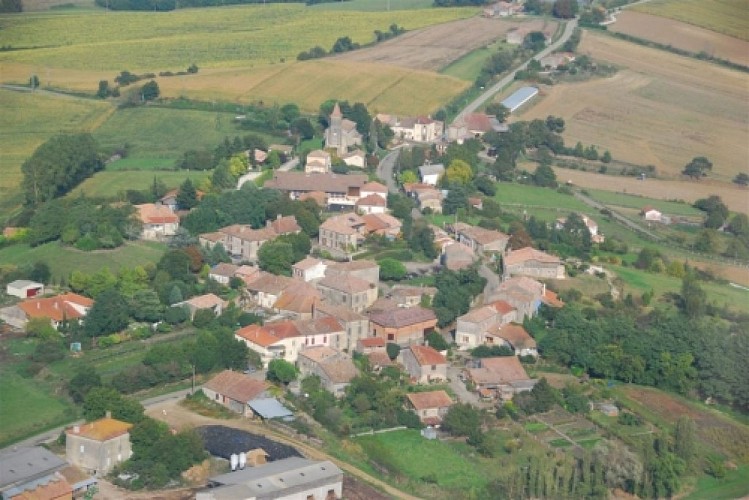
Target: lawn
143	163
114	183
375	5
633	201
62	260
724	16
532	196
469	66
416	457
734	485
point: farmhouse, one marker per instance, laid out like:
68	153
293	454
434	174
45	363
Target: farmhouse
348	290
531	262
430	174
402	325
209	301
341	134
334	368
65	307
501	377
355	325
481	240
340	190
424	364
158	221
24	289
235	390
473	126
96	447
519	97
430	406
318	162
342	232
557	59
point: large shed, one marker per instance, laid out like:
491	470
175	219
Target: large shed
24	289
520	97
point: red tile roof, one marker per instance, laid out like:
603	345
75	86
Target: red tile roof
285	225
502	307
530	253
150	213
426	355
516	335
103	429
507	368
372	200
258	335
429	399
375	187
372	342
58	488
401	317
56	308
236	386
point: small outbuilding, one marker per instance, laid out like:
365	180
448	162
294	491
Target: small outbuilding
24	289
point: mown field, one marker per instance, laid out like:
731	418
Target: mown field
724	16
652	112
62	260
375	5
632	201
209	37
110	183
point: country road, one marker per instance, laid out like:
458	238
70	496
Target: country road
569	28
385	170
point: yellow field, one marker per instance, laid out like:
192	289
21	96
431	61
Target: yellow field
660	109
238	35
27	120
724	16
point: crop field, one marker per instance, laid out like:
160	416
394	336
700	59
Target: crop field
26	122
435	47
681	35
110	183
62	260
658	116
237	35
735	197
724	16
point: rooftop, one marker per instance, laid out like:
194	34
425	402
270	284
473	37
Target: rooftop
304	182
343	223
401	316
236	386
434	169
426	355
372	342
103	429
516	335
207	301
224	269
58	308
528	254
429	399
479	315
19	466
375	187
372	200
508	368
347	284
258	335
519	97
150	213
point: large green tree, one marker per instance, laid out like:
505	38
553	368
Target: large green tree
698	167
109	314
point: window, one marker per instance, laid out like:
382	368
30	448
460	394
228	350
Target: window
83	449
434	367
391	336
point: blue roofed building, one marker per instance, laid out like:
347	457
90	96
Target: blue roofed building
520	97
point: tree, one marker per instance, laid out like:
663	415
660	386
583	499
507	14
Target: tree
146	306
741	179
499	110
698	167
707	241
276	257
281	371
392	350
109	314
99	400
103	91
461	419
606	157
391	269
693	297
485	185
685	439
42	329
82	382
187	196
437	341
565	9
458	172
544	176
150	91
40	271
456	198
534	41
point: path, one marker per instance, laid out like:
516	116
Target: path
569	28
619	218
385	170
178	417
553	428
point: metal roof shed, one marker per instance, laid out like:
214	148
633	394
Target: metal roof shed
520	97
269	408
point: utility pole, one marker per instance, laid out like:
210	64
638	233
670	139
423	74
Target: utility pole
193	379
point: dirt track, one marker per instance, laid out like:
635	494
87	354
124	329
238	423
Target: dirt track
681	35
435	47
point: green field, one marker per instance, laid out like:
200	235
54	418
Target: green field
634	201
376	5
113	183
536	197
62	260
734	485
469	66
210	37
724	16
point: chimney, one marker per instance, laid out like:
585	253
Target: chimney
76	429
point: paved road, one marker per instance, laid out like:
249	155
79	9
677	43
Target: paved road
492	281
569	28
385	170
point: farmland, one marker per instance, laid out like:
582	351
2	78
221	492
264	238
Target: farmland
723	16
115	182
681	35
658	116
230	36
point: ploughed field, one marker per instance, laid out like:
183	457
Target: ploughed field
724	16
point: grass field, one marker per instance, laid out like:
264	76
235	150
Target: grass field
657	117
631	201
521	194
62	260
724	16
138	41
734	485
375	5
112	183
469	66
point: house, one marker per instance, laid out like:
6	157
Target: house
474	328
481	240
335	369
371	204
342	232
473	126
368	270
298	300
24	471
402	325
456	257
96	447
592	226
235	390
430	406
348	290
502	9
242	242
355	325
318	162
531	262
424	364
65	307
430	174
431	199
266	288
288	478
209	301
502	377
340	191
556	60
286	339
223	272
524	294
408	296
247	274
158	221
371	188
341	134
370	344
356	158
421	129
309	269
258	154
382	225
513	336
651	214
24	289
170	198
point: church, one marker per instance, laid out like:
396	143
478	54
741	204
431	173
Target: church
341	134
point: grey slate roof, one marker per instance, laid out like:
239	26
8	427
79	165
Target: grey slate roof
269	408
18	467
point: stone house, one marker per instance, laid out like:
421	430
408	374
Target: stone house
430	406
343	232
318	162
158	221
265	289
382	225
96	447
473	328
355	325
209	301
242	242
409	296
348	290
223	272
534	263
368	270
298	300
423	364
401	325
502	377
481	240
309	269
286	339
338	191
235	390
335	369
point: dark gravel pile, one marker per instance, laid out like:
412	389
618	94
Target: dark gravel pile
223	441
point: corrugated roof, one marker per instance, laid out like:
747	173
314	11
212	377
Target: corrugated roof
21	465
269	408
519	97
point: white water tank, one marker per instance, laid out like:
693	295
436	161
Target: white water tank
242	460
234	461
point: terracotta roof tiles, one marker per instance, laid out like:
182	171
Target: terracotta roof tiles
236	386
429	399
426	355
103	429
